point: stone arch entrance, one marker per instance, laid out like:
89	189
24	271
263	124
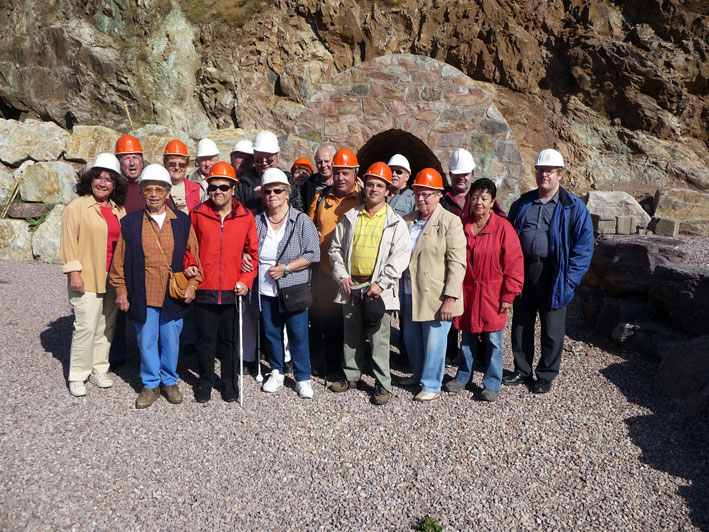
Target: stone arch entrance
410	98
383	145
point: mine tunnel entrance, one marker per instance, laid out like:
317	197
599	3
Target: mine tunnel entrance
383	145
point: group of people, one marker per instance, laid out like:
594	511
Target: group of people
316	263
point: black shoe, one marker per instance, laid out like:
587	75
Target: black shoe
541	386
203	394
516	378
380	396
229	393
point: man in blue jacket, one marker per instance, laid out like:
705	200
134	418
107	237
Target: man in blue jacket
554	228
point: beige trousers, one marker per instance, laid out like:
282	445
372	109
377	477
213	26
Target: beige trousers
94	323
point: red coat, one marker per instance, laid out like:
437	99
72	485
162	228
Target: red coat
193	194
220	249
494	273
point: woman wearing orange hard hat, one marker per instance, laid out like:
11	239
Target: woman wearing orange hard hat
185	194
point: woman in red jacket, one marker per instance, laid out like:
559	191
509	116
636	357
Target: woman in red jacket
225	230
493	278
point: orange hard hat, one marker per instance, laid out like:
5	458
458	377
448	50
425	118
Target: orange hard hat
128	144
302	161
176	147
379	170
429	178
222	170
345	158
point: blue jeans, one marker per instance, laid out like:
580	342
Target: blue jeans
159	343
492	341
426	346
296	324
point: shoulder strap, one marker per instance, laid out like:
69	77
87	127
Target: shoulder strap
150	223
286	246
321	197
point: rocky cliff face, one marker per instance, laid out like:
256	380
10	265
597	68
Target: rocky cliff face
619	87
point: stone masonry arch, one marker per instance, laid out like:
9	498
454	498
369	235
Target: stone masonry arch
383	145
405	94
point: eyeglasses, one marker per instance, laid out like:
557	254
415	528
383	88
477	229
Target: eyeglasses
265	160
100	179
397	170
214	188
153	190
177	165
424	195
549	171
275	191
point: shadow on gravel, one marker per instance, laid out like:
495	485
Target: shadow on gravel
56	339
669	440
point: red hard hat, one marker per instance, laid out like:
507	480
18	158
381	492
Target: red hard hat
379	170
222	170
302	161
345	158
176	147
429	178
128	144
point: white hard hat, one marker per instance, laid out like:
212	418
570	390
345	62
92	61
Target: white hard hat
399	160
207	148
461	162
107	161
549	157
274	175
155	172
244	146
266	142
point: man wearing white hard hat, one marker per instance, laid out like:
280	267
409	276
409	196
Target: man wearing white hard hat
555	231
400	198
207	155
266	155
242	157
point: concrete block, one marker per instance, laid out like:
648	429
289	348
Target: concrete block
624	225
604	224
664	226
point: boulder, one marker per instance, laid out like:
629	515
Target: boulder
7	181
46	239
153	138
15	240
648	337
22	211
627	264
683	374
49	182
31	139
616	203
86	142
690	207
682	290
664	226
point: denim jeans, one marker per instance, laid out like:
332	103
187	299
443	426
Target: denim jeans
158	361
426	346
296	324
492	342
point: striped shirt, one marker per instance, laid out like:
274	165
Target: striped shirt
365	245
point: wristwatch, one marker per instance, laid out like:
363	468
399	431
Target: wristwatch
287	270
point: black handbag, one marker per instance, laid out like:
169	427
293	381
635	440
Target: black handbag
297	297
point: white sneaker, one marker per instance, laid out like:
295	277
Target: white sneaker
274	382
101	380
304	389
77	388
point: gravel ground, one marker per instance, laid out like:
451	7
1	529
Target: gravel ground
603	450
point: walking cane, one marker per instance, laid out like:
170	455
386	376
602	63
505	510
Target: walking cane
259	377
241	352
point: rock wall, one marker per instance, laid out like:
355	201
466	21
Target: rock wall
619	87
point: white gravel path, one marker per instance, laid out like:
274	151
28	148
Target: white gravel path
602	451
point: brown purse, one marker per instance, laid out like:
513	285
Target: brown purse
177	282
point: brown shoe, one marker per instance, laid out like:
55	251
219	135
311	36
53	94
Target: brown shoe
147	397
381	396
343	385
173	394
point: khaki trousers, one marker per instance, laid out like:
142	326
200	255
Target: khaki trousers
355	335
94	323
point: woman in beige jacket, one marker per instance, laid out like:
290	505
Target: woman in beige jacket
432	292
90	230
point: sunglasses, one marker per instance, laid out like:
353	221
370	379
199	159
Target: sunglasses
214	188
265	160
398	171
153	190
275	191
177	165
